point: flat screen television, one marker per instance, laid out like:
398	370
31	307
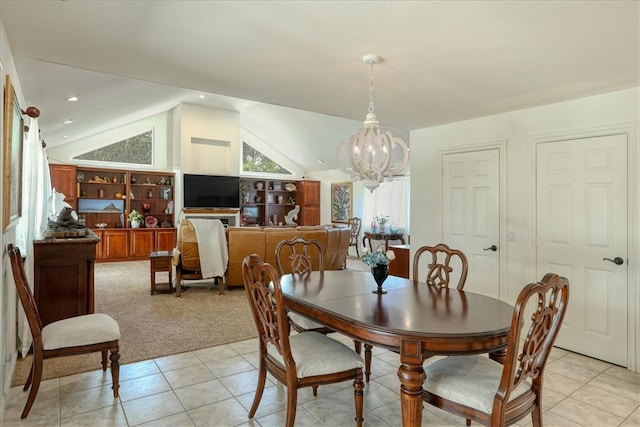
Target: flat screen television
211	191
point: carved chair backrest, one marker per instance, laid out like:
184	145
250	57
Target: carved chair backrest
301	253
527	358
262	284
439	269
355	223
24	292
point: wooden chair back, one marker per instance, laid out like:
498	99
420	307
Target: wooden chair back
440	268
538	312
302	255
27	299
356	224
526	359
262	284
86	335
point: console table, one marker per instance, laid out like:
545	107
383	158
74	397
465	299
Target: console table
369	236
63	276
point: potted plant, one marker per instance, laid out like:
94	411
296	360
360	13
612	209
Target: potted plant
135	218
382	220
379	261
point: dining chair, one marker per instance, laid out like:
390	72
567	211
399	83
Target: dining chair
438	274
296	256
440	268
84	334
307	359
494	394
355	223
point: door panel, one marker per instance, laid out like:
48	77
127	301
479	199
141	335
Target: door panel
471	214
582	219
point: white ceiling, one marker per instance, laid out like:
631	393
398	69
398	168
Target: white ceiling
443	61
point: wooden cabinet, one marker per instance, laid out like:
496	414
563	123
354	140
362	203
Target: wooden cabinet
267	202
151	193
106	196
309	200
400	265
115	244
102	197
142	243
165	239
63	179
63	277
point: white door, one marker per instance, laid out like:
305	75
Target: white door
581	220
471	215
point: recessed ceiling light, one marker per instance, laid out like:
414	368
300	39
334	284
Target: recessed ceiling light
66	136
201	96
68	121
321	161
72	99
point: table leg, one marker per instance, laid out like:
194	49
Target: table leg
412	376
153	278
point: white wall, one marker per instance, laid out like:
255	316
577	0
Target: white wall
8	297
159	123
209	124
519	129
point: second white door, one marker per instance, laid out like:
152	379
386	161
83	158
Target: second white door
471	215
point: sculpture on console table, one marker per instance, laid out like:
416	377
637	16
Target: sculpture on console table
292	216
65	225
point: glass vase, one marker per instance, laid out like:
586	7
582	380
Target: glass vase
380	273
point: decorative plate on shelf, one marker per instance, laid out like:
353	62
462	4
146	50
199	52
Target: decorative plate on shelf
79	176
150	221
290	186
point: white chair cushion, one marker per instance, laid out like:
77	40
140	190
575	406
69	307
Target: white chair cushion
304	322
80	330
317	354
469	380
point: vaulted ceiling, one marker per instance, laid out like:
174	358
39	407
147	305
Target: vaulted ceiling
442	61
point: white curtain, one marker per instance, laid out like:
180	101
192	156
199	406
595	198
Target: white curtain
36	189
390	199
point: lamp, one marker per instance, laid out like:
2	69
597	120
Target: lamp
371	151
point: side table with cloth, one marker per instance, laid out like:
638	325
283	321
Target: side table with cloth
369	236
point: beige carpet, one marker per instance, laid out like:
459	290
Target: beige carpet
158	325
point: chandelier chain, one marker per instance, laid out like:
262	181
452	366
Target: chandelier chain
371	108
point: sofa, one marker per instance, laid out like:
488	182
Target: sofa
244	241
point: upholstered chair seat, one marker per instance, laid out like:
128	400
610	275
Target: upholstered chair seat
304	323
468	380
317	354
80	330
502	393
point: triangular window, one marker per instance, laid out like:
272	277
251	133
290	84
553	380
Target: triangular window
137	150
254	161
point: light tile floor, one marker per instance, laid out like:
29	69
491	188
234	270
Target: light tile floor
215	387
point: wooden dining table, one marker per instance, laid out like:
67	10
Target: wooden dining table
413	319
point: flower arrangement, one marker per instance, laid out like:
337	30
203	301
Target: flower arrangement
382	220
135	216
377	257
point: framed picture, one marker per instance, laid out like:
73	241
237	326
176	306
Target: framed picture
12	155
341	201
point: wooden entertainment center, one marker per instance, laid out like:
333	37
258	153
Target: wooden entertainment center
106	196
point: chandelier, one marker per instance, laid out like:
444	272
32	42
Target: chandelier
371	152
